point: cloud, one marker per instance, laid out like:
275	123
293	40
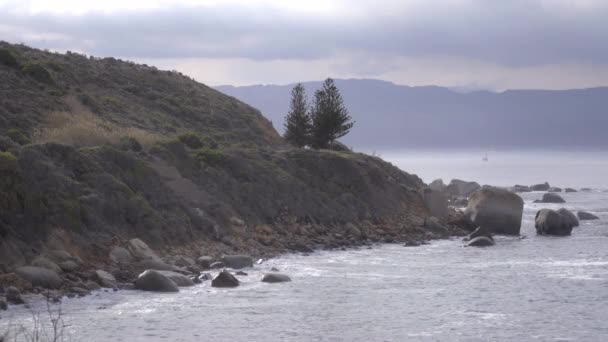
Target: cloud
515	33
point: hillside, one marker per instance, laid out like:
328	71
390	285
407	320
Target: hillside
94	152
436	117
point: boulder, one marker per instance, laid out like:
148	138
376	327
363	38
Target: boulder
551	198
521	188
154	264
499	210
120	255
437	185
481	231
39	276
550	222
141	251
554	189
436	202
46	263
481	241
540	187
460	188
105	279
585	216
155	281
178	278
570	190
225	279
13	279
69	266
13	295
205	262
569	216
3	305
59	256
80	291
237	261
183	261
206	276
217	264
92	286
275	278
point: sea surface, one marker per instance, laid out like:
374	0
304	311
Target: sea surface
531	289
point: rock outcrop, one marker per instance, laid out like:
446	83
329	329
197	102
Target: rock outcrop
496	209
225	279
550	222
551	198
540	187
460	188
436	202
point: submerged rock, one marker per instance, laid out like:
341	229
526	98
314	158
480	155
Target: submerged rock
481	241
225	279
585	216
39	276
570	190
481	231
155	281
237	261
497	209
275	278
550	222
551	198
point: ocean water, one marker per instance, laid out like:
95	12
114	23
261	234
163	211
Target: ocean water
532	289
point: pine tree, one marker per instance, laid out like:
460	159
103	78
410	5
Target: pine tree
298	122
330	118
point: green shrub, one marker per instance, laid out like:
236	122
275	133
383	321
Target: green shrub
209	156
18	136
8	59
8	162
37	72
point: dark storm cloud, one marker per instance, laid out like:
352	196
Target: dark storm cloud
514	32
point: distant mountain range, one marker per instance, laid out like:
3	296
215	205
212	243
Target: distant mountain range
390	116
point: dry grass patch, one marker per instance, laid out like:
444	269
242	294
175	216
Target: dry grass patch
86	129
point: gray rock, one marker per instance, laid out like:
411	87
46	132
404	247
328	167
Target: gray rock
46	263
217	264
155	281
497	209
570	190
433	225
436	202
551	198
521	188
275	278
105	279
205	262
206	276
586	189
569	217
39	276
3	305
154	264
178	278
225	279
183	261
80	291
237	261
481	231
481	241
460	202
554	189
585	216
141	251
13	296
550	222
92	286
59	256
540	187
437	185
69	266
120	255
460	188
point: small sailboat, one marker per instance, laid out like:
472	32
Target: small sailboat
485	158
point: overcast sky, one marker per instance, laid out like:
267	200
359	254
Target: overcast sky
490	44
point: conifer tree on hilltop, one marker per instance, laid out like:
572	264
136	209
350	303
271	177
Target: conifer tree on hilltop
298	122
330	118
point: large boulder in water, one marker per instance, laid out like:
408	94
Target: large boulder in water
554	189
275	278
178	278
225	279
540	187
460	188
569	216
570	190
551	198
436	202
550	222
499	210
237	261
585	216
39	276
481	241
155	281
